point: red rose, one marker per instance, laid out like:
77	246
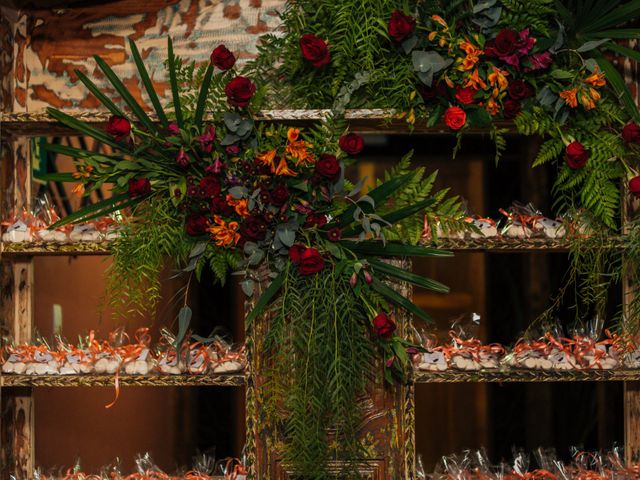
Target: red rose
334	234
511	108
254	228
219	206
506	42
465	95
576	155
519	89
631	133
222	58
196	224
310	262
328	166
400	26
279	195
295	252
315	220
430	93
139	187
239	91
455	118
314	50
351	143
634	186
383	325
210	186
118	127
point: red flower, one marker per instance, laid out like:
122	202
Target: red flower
118	127
207	139
541	61
254	228
631	133
511	108
455	118
351	143
400	26
232	149
210	186
316	220
295	252
334	234
173	129
314	50
328	167
430	93
519	89
196	224
634	186
465	95
383	325
222	58
219	206
279	195
576	155
139	187
239	91
506	42
182	159
310	262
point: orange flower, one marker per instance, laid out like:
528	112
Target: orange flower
292	134
469	48
468	63
594	94
299	151
242	207
438	19
498	78
283	169
78	189
475	81
267	158
596	79
569	97
492	107
224	234
586	101
432	36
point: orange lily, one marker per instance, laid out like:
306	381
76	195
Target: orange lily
586	101
242	207
498	78
283	169
569	97
594	94
293	134
78	189
596	79
492	107
475	81
223	234
438	19
267	158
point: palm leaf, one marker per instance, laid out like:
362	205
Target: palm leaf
617	83
95	210
148	85
126	95
621	33
391	249
399	300
55	177
175	91
614	17
86	129
405	276
202	97
102	98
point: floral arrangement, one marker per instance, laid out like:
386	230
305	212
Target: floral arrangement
272	204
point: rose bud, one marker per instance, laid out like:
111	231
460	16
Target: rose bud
351	143
311	262
174	129
182	159
295	252
353	281
118	127
367	277
222	58
383	326
576	155
389	362
631	133
314	50
634	186
239	91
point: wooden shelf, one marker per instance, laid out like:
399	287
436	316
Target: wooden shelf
499	376
222	380
372	121
53	248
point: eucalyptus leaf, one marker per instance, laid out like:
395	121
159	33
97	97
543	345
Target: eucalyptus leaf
248	287
184	318
198	249
591	45
250	247
238	192
232	121
286	236
367	199
229	139
410	43
256	257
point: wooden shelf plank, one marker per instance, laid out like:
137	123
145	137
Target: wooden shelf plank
222	380
372	121
522	375
54	248
510	245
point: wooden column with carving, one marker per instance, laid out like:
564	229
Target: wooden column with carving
16	276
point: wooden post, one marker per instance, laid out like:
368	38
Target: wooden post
16	276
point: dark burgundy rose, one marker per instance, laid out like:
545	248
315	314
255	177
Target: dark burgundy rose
511	108
239	91
314	50
400	26
327	166
576	155
506	42
196	224
334	234
219	206
207	139
232	149
315	220
279	195
254	228
631	133
519	89
383	326
118	127
139	187
311	262
222	58
634	186
351	143
210	186
295	252
438	90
